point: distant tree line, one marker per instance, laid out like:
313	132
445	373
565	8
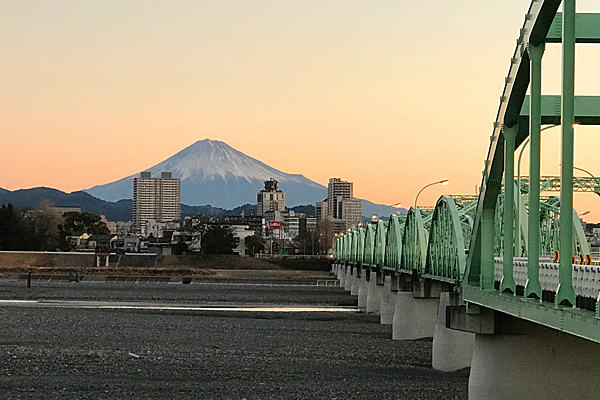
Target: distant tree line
44	230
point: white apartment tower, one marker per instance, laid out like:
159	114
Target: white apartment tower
156	199
270	198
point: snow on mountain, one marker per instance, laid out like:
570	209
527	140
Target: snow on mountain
214	173
211	159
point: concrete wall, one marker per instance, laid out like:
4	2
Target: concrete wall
73	260
45	260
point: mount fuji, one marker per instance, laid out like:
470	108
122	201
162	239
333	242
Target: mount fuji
212	172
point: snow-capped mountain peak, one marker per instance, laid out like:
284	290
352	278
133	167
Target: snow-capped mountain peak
212	172
210	159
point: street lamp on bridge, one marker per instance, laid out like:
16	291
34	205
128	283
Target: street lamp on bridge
397	206
519	215
442	182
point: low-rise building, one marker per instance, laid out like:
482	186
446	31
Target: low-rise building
241	232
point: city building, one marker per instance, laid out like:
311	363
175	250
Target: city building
254	222
270	198
337	191
337	213
241	232
110	225
321	210
289	222
155	199
340	205
351	212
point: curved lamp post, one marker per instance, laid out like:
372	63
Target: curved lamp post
375	217
442	182
525	143
518	214
396	206
586	171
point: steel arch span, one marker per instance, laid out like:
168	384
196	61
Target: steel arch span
500	255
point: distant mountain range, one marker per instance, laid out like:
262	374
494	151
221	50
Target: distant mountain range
114	211
32	198
215	178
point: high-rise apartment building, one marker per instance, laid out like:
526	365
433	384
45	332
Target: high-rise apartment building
270	198
351	212
156	199
340	204
337	190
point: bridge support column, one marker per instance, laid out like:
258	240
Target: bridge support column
349	277
375	292
343	275
452	349
416	311
414	318
543	363
357	273
363	288
388	299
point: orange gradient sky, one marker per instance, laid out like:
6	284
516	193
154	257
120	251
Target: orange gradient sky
391	95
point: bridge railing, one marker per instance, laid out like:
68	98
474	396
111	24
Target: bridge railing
585	280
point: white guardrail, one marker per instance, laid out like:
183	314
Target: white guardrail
586	278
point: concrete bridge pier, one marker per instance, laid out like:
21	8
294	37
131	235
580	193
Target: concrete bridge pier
349	277
415	313
343	275
336	269
388	299
452	349
363	288
357	272
375	293
526	360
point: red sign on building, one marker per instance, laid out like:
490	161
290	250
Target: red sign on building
275	224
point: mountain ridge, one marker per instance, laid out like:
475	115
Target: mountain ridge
212	172
114	211
122	209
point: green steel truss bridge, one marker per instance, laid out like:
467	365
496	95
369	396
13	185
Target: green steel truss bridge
514	275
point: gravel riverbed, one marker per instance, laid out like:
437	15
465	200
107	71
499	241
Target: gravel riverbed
88	353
